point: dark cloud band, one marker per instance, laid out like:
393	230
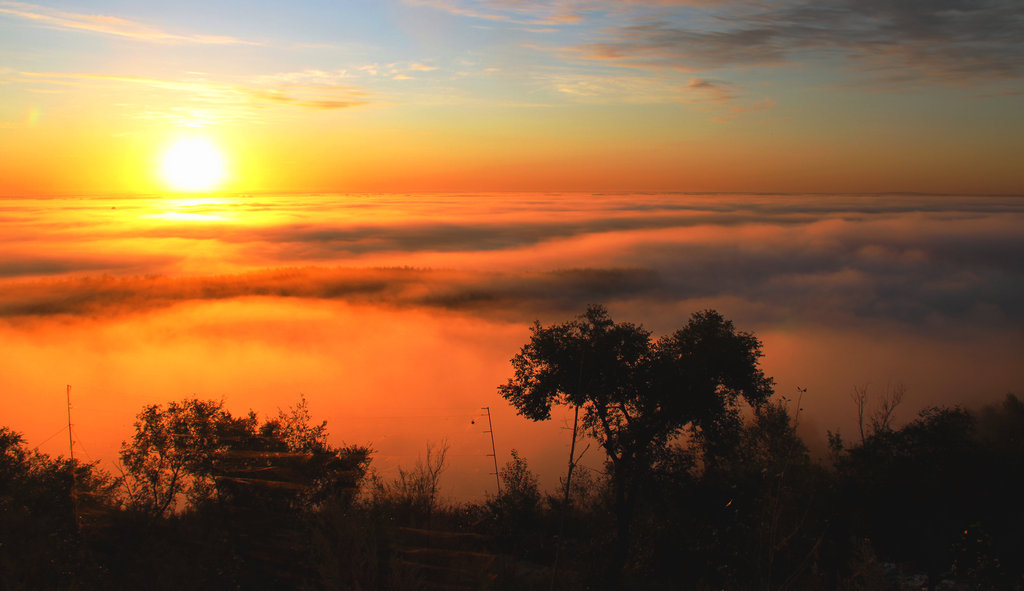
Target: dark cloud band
949	40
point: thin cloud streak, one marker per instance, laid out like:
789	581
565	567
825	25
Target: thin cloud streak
274	90
109	25
517	12
549	13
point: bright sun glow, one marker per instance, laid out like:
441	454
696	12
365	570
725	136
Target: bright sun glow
193	164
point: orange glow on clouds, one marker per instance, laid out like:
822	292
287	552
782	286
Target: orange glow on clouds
396	315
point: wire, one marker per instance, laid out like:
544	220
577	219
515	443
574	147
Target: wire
62	429
80	446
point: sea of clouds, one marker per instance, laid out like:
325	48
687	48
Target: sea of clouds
396	315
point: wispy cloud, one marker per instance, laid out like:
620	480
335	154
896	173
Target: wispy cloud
109	25
418	67
306	89
525	12
284	98
721	99
396	70
86	78
548	13
610	87
725	100
717	91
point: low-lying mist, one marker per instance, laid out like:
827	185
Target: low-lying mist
396	316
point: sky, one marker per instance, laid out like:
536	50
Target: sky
395	316
515	95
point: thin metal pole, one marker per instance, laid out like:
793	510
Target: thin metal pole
71	453
493	454
71	441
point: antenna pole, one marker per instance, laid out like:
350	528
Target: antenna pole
71	441
493	454
71	453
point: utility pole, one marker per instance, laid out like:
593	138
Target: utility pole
493	454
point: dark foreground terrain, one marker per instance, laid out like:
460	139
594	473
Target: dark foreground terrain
707	486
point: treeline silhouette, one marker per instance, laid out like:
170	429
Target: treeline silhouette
707	486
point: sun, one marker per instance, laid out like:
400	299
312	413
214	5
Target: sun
193	164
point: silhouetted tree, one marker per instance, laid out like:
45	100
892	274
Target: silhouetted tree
196	451
171	454
636	394
237	491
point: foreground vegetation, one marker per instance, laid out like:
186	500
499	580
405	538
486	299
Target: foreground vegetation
707	486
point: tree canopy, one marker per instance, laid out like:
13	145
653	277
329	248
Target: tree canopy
637	393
